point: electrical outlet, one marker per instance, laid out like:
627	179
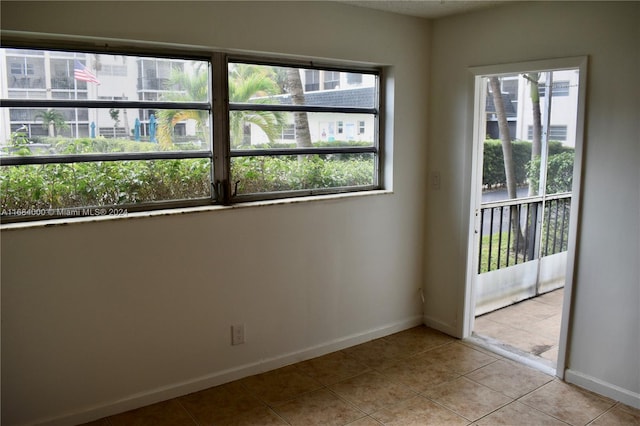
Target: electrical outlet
435	180
237	334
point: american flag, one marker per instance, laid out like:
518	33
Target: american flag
80	72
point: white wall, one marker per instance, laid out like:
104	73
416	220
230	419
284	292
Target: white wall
604	341
110	315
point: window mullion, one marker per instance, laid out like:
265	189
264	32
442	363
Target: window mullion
379	129
221	141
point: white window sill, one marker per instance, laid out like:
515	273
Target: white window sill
188	210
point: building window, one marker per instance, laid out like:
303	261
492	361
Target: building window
153	141
361	127
22	69
556	133
331	80
354	78
559	88
289	132
311	80
114	70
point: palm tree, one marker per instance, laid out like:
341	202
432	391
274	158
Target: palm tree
294	85
247	83
185	88
536	143
507	153
251	83
52	120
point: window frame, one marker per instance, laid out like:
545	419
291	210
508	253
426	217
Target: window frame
219	153
376	149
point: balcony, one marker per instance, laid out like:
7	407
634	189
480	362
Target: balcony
528	328
521	274
522	254
152	83
24	82
65	83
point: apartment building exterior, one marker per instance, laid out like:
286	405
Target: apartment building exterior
39	74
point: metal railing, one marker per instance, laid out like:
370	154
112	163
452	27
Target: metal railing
520	230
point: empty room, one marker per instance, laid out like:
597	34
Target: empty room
202	197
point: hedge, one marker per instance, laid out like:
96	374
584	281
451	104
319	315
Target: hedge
129	182
56	186
493	166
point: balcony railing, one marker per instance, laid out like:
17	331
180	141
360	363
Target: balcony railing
510	231
152	83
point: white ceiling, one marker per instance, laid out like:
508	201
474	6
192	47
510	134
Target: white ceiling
424	8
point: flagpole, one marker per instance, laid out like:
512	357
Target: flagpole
75	93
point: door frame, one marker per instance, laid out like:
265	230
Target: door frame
476	134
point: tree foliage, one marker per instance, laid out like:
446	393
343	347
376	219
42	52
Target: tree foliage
559	172
184	87
493	163
53	121
253	83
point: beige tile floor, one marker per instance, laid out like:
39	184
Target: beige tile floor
415	377
532	326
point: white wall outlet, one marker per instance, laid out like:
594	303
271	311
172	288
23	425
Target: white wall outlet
435	180
237	334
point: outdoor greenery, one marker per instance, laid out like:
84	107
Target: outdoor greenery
493	167
554	237
559	172
268	174
246	83
558	232
498	243
113	183
52	120
56	186
194	87
103	183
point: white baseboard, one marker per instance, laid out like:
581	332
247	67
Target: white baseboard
603	388
443	327
179	389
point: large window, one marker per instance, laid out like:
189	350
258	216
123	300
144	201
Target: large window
114	133
320	158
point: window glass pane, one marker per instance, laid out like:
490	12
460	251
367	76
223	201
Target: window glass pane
259	129
25	72
95	76
61	131
292	172
69	186
269	84
109	115
28	94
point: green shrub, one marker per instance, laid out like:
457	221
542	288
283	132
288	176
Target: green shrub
493	161
53	186
267	174
559	172
103	183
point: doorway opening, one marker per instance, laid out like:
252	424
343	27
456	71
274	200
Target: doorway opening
527	156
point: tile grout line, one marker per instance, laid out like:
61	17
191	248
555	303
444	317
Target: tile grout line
536	408
446	408
195	421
